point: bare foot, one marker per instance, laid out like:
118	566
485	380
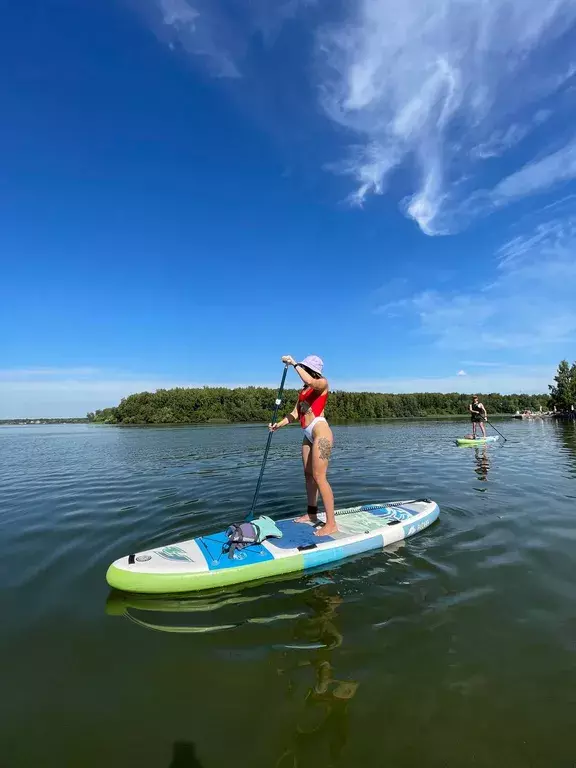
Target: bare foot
306	519
326	530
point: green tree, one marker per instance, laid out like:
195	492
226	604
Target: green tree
563	392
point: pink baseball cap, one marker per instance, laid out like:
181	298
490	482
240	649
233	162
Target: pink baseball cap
313	362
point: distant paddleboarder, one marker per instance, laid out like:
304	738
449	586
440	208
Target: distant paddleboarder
318	439
478	416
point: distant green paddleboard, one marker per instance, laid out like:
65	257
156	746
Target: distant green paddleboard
478	440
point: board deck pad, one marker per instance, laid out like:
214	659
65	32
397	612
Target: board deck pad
201	563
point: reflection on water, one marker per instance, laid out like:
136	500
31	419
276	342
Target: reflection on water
320	728
567	433
482	459
261	603
304	662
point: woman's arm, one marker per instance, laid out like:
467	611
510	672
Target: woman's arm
292	416
310	381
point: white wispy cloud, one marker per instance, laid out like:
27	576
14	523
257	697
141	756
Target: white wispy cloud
22	396
220	34
504	138
198	27
515	368
538	176
35	373
66	398
530	304
530	380
438	85
436	88
461	373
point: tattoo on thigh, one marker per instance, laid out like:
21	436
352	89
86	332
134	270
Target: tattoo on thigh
325	448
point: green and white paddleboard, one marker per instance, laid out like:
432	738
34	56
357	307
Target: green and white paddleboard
200	563
477	441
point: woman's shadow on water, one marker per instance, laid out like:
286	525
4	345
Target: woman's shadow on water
184	755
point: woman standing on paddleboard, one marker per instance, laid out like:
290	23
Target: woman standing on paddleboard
478	416
318	439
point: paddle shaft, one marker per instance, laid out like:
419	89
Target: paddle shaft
277	404
496	430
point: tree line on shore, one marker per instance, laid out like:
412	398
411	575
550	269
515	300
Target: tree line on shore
254	404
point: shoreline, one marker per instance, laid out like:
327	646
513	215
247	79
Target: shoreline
42	422
226	422
295	425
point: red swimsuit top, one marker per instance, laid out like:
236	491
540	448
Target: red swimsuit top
315	399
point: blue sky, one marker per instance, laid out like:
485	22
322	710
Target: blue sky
192	188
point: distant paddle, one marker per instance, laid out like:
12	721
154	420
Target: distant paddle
277	404
496	430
